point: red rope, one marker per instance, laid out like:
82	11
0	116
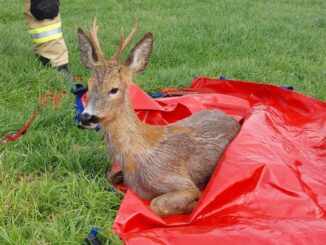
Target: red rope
55	98
43	101
75	78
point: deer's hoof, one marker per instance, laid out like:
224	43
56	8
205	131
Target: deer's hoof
114	176
160	206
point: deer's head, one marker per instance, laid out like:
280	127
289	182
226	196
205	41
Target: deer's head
110	80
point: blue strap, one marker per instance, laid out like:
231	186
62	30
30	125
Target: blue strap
223	78
287	87
157	95
92	238
79	90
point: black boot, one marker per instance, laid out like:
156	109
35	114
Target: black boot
43	60
63	69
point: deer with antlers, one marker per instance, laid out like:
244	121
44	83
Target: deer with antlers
169	165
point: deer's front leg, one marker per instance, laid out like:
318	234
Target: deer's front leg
114	176
175	202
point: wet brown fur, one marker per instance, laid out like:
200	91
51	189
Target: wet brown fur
171	164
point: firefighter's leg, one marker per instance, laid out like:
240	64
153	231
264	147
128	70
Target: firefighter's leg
44	26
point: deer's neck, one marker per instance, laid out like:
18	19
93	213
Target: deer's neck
127	137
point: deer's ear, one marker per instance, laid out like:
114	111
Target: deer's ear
138	57
87	54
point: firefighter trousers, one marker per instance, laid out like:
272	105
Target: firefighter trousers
47	37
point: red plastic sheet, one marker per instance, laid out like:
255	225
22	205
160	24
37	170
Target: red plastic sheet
268	188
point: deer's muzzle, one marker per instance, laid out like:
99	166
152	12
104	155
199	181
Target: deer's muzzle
87	119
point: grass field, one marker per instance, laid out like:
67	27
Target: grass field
52	181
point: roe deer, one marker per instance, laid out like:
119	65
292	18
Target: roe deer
170	165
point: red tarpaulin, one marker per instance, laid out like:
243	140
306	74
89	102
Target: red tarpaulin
268	188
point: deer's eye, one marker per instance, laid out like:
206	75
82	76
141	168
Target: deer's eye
113	91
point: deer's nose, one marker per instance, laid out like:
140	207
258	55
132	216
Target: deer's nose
87	119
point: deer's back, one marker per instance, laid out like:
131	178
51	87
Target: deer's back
187	153
212	132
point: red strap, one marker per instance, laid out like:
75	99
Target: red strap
16	136
55	98
43	101
75	78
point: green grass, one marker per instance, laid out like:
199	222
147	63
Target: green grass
46	193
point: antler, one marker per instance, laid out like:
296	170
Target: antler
124	42
94	40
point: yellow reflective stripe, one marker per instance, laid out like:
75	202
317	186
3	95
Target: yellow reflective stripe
46	33
47	39
45	28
